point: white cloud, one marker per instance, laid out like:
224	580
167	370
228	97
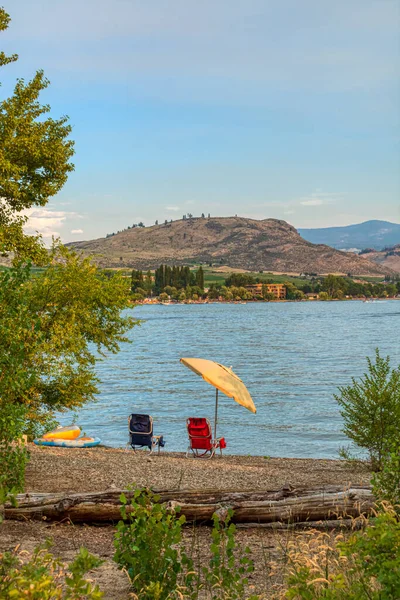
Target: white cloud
318	198
76	231
46	222
312	202
174	208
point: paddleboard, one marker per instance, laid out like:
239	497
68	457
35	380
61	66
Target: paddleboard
84	442
64	433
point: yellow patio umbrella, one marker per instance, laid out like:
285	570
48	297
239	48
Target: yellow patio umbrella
223	379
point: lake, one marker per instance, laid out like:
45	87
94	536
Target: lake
292	356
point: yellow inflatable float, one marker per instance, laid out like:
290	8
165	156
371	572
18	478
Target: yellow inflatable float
63	433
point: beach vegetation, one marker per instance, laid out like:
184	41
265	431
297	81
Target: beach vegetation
366	565
386	482
13	452
149	547
41	576
370	408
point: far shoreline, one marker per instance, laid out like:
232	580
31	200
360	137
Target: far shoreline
155	302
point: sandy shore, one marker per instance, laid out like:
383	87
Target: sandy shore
80	470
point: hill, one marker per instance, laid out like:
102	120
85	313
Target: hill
388	258
370	234
267	245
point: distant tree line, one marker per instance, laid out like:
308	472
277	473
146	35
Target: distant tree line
182	283
141	224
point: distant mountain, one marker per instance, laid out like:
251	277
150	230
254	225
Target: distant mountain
267	245
388	258
370	234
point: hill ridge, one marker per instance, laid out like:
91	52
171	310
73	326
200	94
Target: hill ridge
374	233
237	242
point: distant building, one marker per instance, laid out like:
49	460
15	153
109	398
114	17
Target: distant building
277	289
312	296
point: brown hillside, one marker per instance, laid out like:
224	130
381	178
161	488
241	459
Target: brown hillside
267	245
386	259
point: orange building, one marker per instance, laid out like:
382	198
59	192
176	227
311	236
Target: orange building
277	289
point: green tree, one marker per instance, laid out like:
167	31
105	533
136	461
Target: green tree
332	284
148	283
35	153
266	294
213	292
169	290
200	278
53	328
292	292
391	289
244	294
137	280
239	280
370	408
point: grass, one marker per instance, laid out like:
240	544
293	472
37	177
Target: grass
211	276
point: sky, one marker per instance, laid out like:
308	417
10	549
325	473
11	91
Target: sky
286	109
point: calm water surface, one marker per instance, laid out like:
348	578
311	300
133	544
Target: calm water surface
291	356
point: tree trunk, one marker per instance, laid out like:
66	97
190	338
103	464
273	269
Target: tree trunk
286	505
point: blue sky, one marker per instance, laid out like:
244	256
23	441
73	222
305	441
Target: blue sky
284	109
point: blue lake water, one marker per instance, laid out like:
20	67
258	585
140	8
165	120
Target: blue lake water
291	356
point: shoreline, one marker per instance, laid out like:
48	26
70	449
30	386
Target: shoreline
155	302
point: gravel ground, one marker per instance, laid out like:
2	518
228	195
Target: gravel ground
98	469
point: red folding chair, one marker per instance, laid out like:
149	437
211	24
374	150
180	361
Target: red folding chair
201	443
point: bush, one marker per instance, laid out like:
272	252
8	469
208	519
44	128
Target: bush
370	408
386	483
42	577
149	547
226	575
146	546
13	453
366	566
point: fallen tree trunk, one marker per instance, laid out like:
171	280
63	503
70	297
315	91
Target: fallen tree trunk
286	505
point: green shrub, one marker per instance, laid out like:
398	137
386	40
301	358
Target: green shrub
226	575
42	577
13	453
386	483
146	546
149	547
370	408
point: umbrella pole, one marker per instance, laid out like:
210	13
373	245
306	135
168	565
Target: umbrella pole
216	414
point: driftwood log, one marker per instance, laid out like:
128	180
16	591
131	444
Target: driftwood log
287	505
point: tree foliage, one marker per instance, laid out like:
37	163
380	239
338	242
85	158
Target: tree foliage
52	329
35	153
